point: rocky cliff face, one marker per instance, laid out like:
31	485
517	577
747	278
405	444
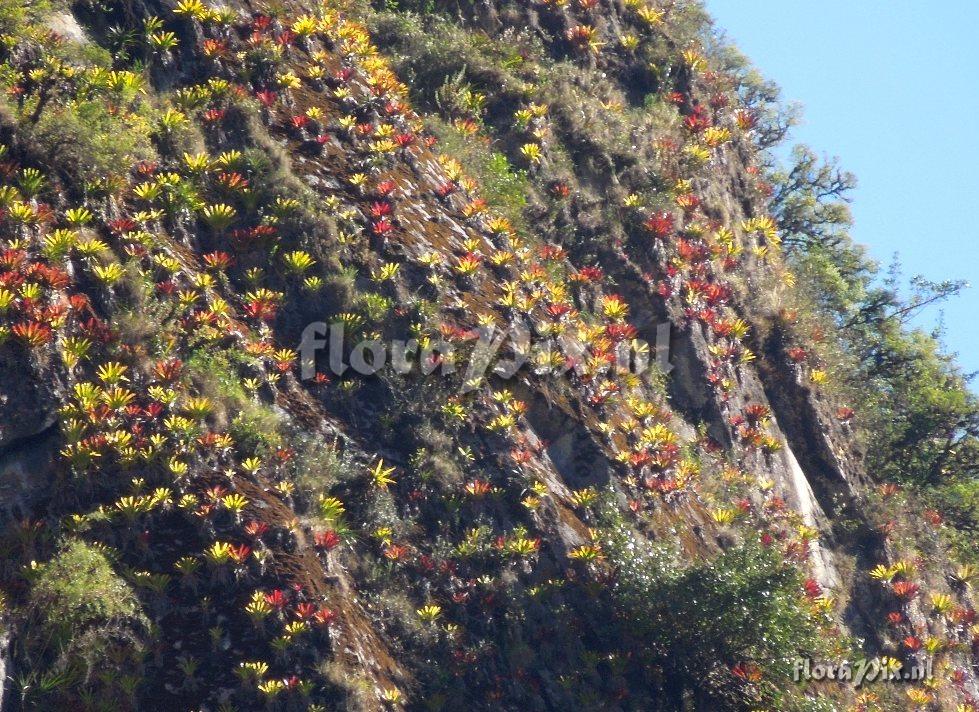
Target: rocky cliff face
180	206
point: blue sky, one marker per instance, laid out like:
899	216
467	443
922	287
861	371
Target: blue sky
889	86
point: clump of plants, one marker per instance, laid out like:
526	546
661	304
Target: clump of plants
81	613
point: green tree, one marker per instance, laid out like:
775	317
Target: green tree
697	622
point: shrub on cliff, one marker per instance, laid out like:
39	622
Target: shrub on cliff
91	142
710	624
81	614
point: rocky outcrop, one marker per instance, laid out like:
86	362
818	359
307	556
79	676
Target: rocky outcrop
29	397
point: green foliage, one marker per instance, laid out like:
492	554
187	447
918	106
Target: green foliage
317	465
923	412
219	371
760	96
376	306
78	589
256	429
219	374
457	97
424	7
696	622
15	15
90	143
958	500
466	74
82	614
502	184
810	201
